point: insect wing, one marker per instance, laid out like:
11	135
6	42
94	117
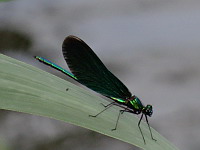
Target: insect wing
90	71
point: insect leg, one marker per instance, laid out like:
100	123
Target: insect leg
112	103
140	128
108	106
149	128
120	112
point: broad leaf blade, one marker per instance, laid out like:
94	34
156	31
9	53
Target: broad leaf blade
27	89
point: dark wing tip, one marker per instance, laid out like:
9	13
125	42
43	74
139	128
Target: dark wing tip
71	38
73	42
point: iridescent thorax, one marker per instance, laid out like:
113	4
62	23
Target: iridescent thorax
133	103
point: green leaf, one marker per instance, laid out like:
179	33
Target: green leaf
27	89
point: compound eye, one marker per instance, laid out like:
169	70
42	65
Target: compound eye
149	113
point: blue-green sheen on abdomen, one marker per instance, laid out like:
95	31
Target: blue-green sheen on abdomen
55	66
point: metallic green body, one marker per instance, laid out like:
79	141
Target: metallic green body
133	103
47	62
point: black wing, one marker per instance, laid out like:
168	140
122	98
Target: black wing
90	71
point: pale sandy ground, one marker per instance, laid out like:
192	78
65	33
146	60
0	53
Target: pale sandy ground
152	46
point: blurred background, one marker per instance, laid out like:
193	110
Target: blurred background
153	46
